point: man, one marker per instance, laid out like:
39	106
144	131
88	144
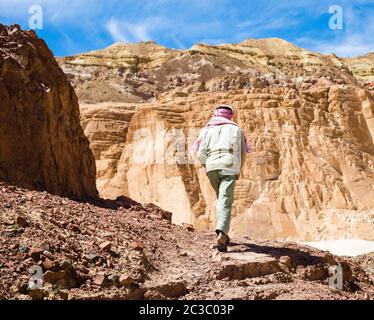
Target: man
221	148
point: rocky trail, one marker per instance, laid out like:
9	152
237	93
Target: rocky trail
123	250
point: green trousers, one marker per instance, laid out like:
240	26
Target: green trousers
224	188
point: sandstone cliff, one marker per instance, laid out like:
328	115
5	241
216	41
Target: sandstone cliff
307	115
42	144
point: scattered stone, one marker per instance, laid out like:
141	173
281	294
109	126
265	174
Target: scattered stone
53	277
137	245
21	222
126	280
287	261
38	294
23	249
48	255
35	253
101	280
92	257
106	246
188	227
63	294
114	279
312	273
66	265
48	264
174	289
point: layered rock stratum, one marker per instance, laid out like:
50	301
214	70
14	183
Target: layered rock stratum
42	144
308	116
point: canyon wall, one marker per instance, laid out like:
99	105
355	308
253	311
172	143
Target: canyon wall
42	144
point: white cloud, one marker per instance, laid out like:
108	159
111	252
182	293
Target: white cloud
135	32
114	29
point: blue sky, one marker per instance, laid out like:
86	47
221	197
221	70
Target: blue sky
75	26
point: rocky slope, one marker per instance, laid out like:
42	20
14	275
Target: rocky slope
363	69
42	144
307	115
123	250
139	72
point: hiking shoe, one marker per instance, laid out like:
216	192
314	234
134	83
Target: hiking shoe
222	240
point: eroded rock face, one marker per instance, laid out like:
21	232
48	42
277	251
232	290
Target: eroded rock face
106	126
42	144
310	175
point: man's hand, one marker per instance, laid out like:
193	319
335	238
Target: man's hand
237	176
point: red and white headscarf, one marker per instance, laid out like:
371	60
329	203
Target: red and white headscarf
222	115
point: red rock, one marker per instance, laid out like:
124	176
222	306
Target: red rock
48	255
101	280
53	277
137	245
35	253
48	264
188	227
106	246
22	222
126	280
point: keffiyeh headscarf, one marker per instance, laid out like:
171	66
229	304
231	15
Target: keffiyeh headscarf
222	115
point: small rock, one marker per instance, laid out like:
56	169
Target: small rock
63	294
183	254
48	264
126	280
173	289
84	270
38	294
286	260
35	253
23	249
243	284
101	280
114	279
106	246
48	255
23	288
136	245
188	227
66	265
53	277
92	258
107	234
166	215
21	222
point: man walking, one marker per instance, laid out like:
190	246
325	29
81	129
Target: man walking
221	148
